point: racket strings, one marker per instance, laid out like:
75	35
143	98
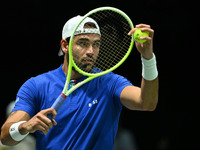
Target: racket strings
115	41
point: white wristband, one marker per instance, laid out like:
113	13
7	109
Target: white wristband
149	68
14	132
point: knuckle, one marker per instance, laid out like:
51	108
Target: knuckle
38	115
51	109
49	122
55	113
37	122
42	111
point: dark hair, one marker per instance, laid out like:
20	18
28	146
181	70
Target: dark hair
67	39
89	25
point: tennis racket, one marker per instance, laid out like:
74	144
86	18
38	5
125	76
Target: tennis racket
113	48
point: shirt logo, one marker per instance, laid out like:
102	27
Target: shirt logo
12	129
94	102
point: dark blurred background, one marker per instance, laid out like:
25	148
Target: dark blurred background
30	34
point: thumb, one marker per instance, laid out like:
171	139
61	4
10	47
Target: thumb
54	122
50	111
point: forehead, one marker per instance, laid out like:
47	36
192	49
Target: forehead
89	36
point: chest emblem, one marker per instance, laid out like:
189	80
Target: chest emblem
94	102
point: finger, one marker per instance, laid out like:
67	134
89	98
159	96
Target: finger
45	121
151	31
54	122
50	111
54	112
42	129
132	31
143	25
146	38
38	125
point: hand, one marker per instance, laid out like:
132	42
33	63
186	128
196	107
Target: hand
39	122
146	48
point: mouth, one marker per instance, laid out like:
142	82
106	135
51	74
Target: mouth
86	63
89	61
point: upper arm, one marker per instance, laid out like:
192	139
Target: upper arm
144	98
130	97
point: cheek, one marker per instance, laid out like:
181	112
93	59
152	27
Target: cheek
78	51
96	53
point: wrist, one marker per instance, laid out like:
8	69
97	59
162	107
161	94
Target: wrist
15	133
148	56
149	68
22	129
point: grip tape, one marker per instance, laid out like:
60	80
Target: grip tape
57	104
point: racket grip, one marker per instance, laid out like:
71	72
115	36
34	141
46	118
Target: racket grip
57	104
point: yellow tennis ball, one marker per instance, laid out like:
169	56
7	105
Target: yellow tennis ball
138	33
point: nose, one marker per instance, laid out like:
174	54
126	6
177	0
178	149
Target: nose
90	50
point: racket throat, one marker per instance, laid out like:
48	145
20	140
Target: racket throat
63	95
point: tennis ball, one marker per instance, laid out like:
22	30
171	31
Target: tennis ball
138	33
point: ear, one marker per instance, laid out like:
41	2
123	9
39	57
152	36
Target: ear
64	45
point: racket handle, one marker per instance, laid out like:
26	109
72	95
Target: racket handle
57	104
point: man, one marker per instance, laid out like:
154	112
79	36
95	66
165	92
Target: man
89	117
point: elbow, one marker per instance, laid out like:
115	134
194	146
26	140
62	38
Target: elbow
6	141
3	140
5	137
150	106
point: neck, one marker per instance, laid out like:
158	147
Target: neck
74	75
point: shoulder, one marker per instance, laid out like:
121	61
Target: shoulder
112	82
113	78
49	76
42	80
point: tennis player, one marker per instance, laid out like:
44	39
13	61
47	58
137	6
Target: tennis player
89	117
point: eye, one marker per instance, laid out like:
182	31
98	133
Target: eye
83	44
96	45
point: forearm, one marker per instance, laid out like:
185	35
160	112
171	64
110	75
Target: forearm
149	94
149	84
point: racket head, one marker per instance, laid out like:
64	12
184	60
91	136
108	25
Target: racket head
115	43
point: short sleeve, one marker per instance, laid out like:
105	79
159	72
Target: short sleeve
26	98
116	85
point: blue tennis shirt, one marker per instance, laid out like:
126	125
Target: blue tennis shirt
88	118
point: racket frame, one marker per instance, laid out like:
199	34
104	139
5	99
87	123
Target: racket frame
120	62
91	75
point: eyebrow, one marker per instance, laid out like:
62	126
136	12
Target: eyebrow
87	40
83	39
